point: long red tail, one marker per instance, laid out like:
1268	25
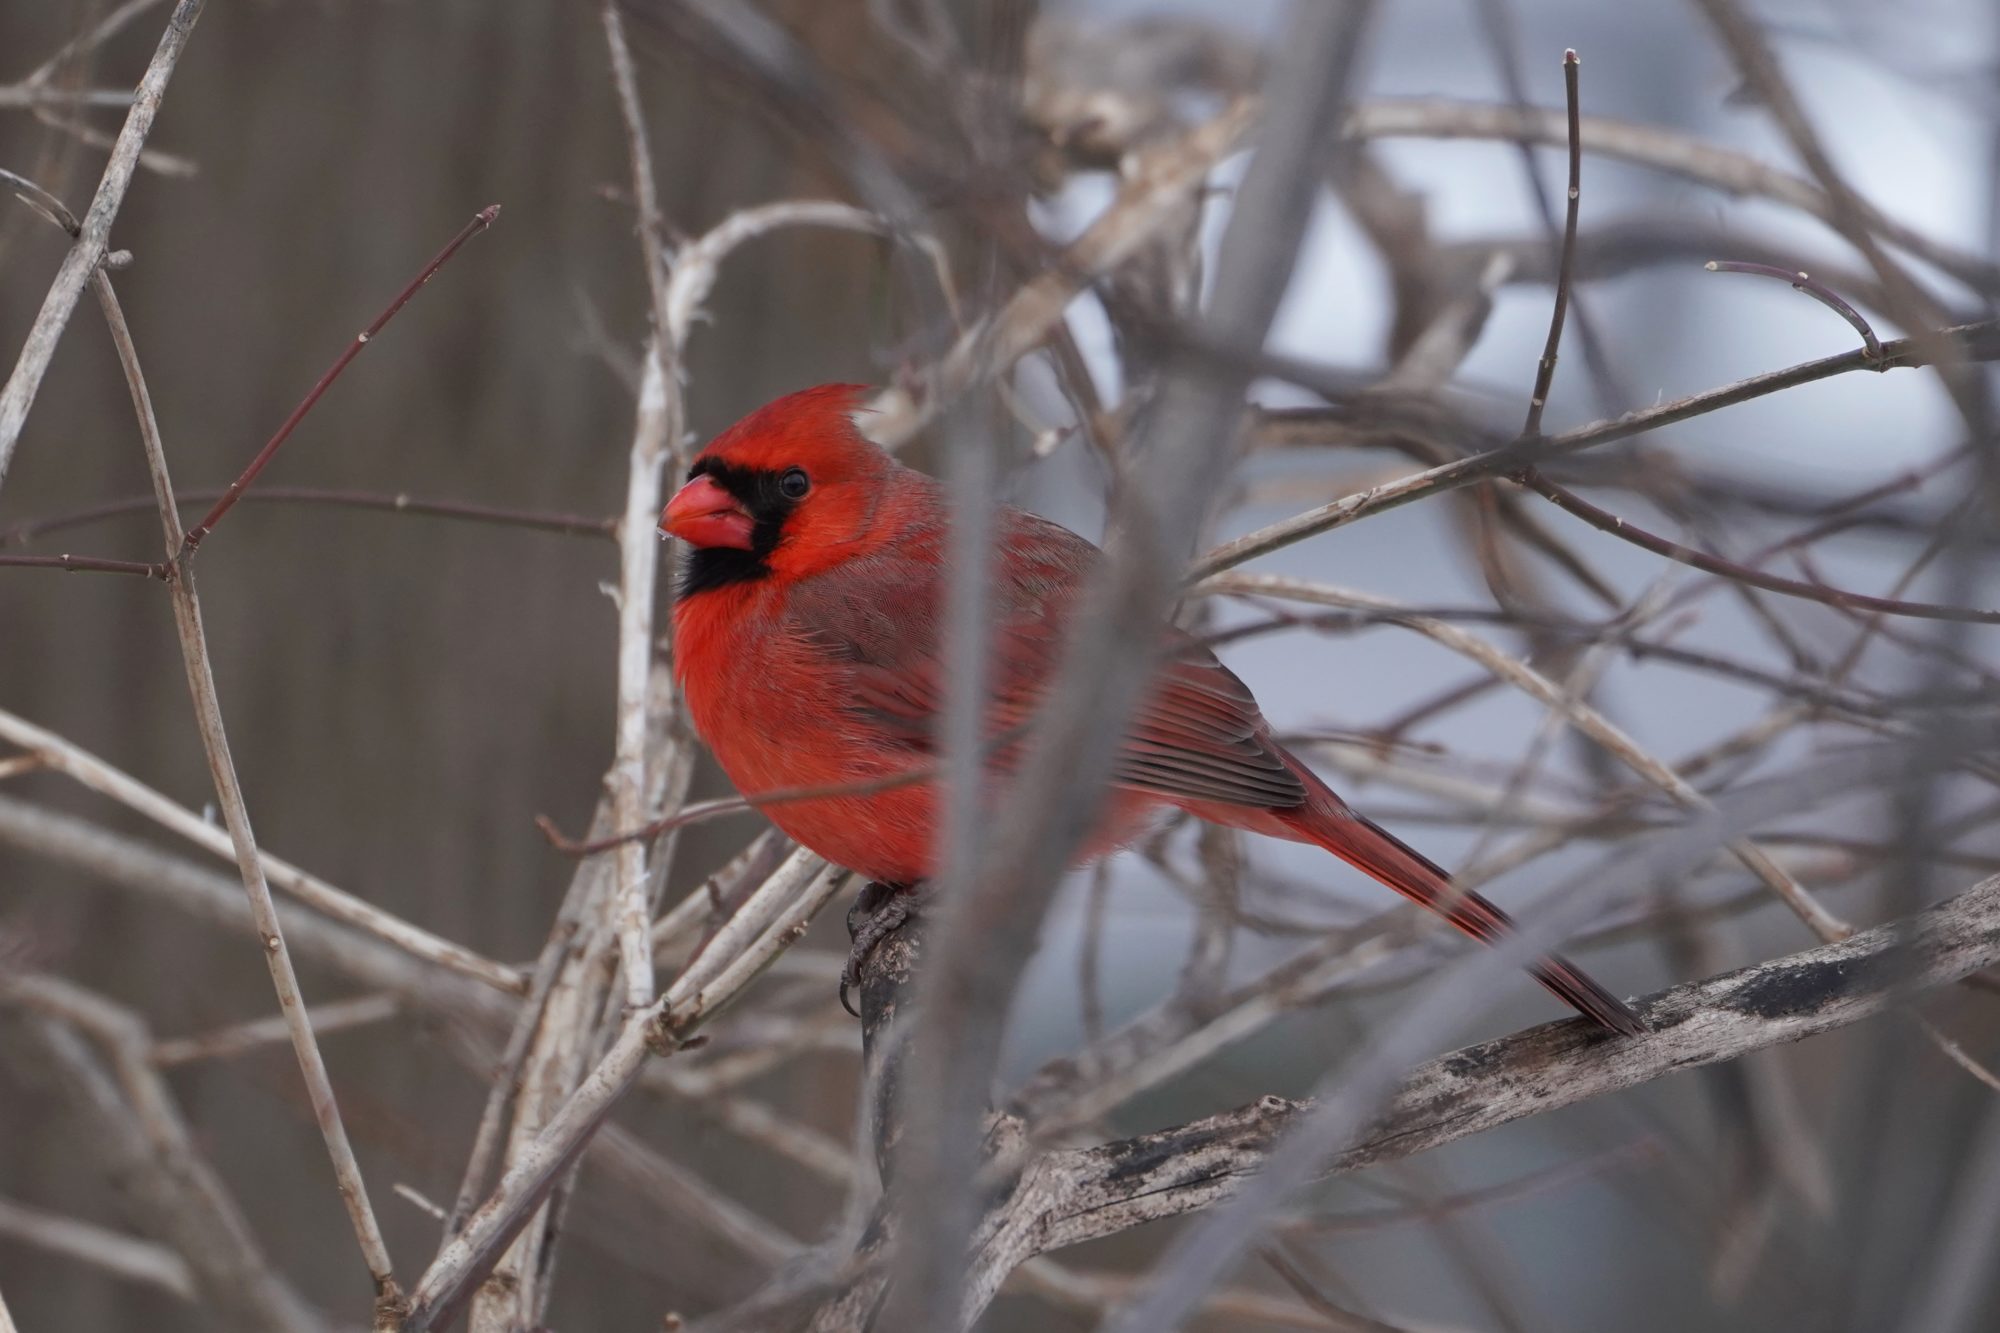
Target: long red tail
1381	854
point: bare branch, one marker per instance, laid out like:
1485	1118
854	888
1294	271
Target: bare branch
122	1256
399	502
226	1043
1648	146
63	757
193	538
773	918
1811	286
1545	373
1972	342
656	440
236	817
146	1146
18	396
1112	1187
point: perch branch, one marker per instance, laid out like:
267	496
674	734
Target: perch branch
1069	1196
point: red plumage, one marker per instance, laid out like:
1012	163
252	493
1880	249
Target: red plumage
809	645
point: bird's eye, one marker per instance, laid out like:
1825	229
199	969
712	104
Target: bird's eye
794	484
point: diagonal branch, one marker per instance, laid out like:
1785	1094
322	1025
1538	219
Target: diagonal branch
145	1146
84	257
1969	342
1098	1191
1070	1196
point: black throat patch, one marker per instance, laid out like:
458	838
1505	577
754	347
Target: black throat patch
756	489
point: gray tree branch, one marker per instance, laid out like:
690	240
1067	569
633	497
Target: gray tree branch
1069	1196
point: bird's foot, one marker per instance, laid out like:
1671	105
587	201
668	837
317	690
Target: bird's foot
879	911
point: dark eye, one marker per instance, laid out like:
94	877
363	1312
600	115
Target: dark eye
794	484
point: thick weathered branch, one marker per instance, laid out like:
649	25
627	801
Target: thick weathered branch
1069	1196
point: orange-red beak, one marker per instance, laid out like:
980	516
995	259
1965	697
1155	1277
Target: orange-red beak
703	514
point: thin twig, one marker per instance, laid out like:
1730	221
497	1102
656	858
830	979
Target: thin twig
88	564
480	222
226	1043
121	1256
1971	342
1735	174
703	811
1811	286
400	502
98	34
1545	372
1605	521
45	203
81	766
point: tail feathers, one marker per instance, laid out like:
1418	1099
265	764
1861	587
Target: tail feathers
1574	987
1381	854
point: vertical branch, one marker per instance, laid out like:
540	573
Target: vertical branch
655	439
549	1053
639	562
1545	373
236	816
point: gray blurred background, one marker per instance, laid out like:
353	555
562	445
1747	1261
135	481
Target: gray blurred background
406	694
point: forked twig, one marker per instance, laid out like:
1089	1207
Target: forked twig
1604	520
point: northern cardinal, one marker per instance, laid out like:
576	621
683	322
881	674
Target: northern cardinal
808	644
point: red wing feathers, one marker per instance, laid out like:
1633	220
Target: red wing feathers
878	620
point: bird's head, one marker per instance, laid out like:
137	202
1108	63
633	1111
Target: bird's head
790	489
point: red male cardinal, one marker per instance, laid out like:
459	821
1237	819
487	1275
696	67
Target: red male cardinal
808	644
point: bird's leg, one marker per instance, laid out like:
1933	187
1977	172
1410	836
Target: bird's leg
879	909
